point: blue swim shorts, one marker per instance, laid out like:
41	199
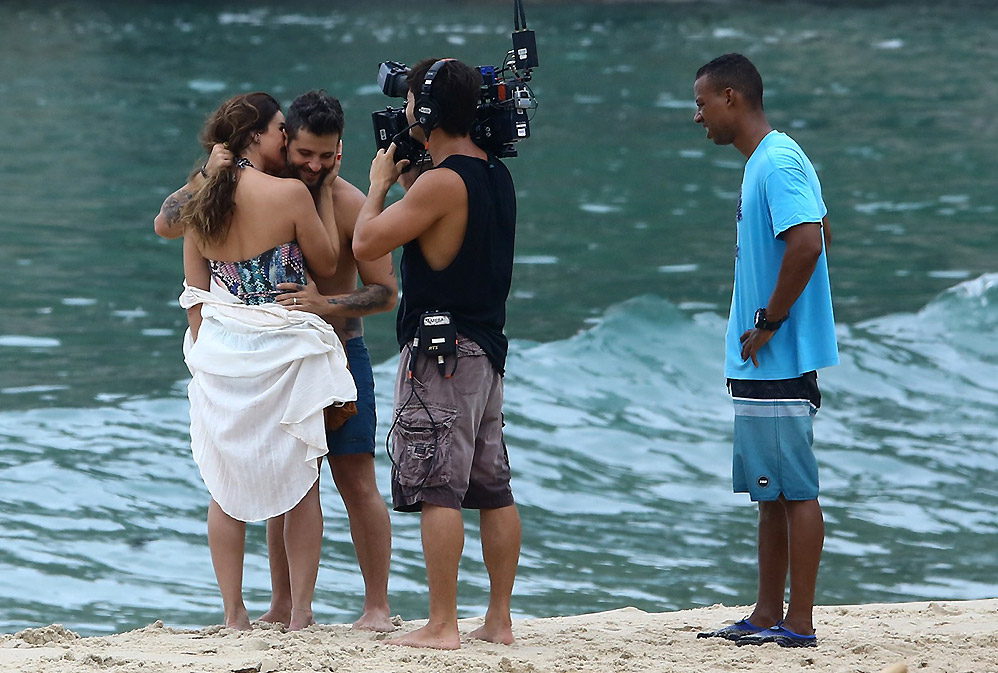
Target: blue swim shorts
773	437
357	434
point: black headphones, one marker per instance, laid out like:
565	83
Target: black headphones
427	112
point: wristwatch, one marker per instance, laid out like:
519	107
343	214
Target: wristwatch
769	325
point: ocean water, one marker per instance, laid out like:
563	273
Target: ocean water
618	422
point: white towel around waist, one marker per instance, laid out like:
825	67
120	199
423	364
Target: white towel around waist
261	377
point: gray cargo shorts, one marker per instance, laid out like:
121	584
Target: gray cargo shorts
447	441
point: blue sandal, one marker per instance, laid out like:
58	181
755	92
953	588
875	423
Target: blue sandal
780	635
734	631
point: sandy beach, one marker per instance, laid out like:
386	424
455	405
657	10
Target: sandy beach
938	637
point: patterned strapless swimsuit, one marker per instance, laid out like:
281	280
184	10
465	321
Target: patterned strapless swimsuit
254	281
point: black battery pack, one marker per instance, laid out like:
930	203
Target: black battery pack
436	335
525	49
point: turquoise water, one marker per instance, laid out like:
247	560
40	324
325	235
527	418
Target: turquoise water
617	418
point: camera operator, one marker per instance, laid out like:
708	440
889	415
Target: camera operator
456	226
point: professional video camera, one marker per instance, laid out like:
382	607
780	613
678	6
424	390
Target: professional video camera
502	118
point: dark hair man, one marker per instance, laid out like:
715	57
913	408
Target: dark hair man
780	331
313	131
313	122
456	226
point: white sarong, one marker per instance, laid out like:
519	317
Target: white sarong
261	377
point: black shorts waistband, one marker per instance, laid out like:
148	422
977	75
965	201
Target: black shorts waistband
803	387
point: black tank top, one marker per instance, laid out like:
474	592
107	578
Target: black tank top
474	287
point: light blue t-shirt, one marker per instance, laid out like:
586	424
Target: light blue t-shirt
780	189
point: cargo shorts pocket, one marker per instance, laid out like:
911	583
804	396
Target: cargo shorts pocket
422	442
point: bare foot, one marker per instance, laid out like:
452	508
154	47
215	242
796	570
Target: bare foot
239	621
375	621
502	635
275	616
437	638
300	619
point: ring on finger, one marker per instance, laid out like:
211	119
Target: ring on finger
294	300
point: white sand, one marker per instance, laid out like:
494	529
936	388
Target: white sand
937	637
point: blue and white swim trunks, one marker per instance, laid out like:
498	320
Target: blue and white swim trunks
773	453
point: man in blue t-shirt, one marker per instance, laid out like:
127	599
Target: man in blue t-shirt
780	331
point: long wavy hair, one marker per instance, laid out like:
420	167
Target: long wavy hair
209	212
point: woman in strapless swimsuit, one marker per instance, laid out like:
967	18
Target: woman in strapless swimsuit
245	232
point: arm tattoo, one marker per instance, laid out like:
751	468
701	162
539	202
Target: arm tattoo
368	299
174	202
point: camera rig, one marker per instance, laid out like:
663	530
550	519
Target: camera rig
502	117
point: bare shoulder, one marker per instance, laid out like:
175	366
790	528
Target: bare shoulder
344	190
347	200
435	197
285	189
439	181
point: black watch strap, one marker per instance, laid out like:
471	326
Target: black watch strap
761	322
